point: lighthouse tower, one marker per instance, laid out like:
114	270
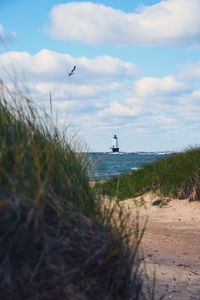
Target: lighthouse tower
115	147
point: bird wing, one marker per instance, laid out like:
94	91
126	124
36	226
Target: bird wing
72	71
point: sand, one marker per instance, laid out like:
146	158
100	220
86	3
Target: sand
171	246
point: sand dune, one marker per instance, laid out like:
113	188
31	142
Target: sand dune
171	247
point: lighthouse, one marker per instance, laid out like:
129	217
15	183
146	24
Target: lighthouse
115	147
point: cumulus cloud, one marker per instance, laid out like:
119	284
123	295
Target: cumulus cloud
97	98
56	65
47	69
191	71
169	22
155	86
116	109
93	83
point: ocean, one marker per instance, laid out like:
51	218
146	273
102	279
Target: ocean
106	165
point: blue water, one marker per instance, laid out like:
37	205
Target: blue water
107	165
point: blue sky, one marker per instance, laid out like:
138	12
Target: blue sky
138	67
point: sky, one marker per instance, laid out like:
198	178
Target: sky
137	68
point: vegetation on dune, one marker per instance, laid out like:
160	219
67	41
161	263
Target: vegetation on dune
176	176
36	161
55	241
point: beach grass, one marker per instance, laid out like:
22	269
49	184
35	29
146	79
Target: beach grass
176	176
56	241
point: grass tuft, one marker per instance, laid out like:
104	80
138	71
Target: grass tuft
174	176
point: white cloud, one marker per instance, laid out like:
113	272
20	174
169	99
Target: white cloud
191	71
49	70
155	86
92	85
196	95
169	22
96	98
116	109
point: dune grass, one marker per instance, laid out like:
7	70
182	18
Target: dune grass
36	160
173	176
55	240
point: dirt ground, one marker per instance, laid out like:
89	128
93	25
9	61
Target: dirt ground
171	246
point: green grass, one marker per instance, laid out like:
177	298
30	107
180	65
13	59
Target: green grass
55	240
174	176
36	161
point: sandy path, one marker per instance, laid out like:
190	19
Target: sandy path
172	248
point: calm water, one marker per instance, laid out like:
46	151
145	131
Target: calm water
107	165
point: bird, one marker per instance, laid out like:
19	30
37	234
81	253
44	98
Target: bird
72	71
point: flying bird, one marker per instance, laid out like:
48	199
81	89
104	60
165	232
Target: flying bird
72	71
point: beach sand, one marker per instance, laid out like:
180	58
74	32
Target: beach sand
171	247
